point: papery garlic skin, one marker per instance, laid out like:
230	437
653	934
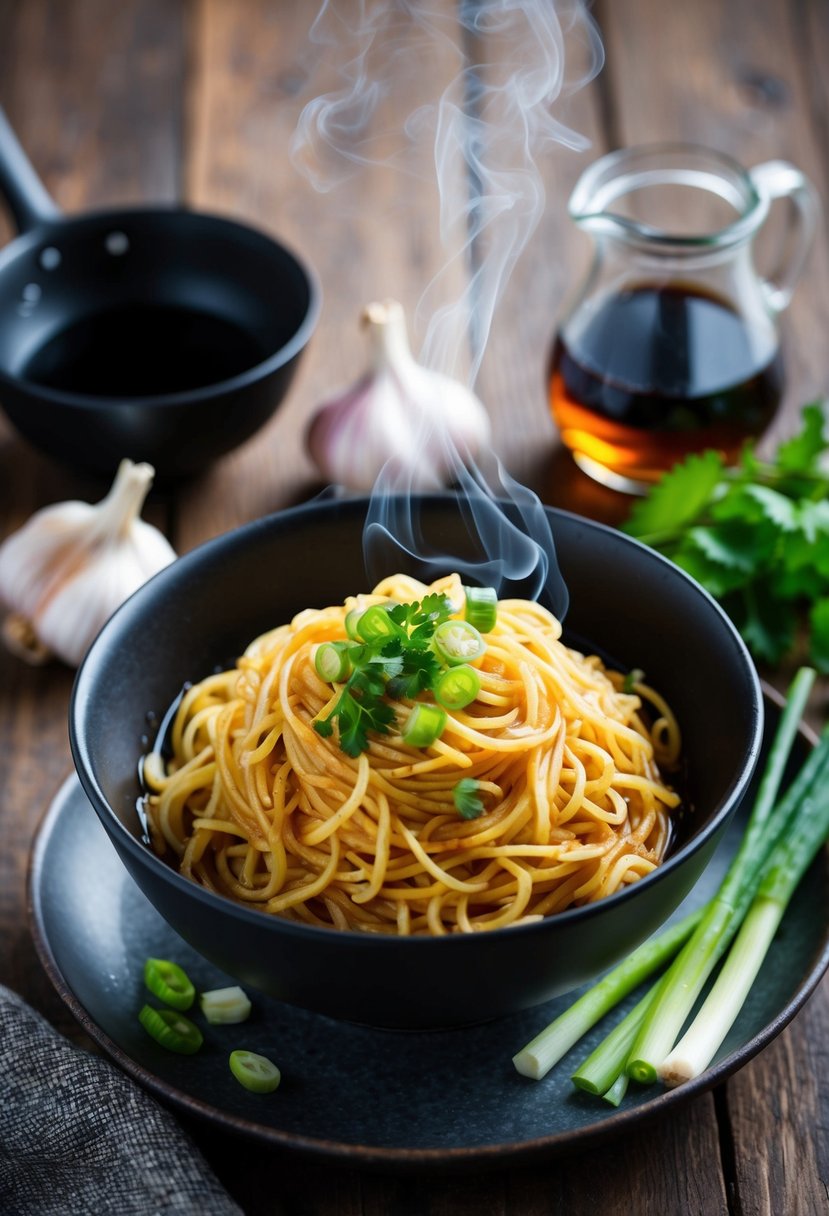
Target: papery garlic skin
64	573
417	424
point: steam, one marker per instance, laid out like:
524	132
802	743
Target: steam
499	536
488	129
489	126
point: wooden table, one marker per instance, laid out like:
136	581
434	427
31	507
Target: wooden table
162	100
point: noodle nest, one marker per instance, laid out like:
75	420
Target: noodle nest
254	804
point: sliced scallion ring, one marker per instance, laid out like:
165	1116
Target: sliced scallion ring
351	620
457	687
225	1006
257	1073
376	625
171	1029
169	982
458	642
332	662
424	724
481	607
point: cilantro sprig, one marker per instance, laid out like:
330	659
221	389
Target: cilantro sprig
756	536
382	669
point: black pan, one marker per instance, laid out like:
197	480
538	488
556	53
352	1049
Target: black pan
155	333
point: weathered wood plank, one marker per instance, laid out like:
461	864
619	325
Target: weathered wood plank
778	1108
513	379
375	235
668	1167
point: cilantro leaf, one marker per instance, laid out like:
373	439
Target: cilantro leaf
775	506
819	622
800	453
756	536
398	667
718	580
769	626
722	547
466	796
678	498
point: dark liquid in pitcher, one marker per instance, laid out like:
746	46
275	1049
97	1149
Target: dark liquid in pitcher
656	373
144	351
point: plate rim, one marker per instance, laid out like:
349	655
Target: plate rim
612	1123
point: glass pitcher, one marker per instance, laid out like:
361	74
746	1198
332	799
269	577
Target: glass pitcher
672	344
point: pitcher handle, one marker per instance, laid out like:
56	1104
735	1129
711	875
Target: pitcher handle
776	179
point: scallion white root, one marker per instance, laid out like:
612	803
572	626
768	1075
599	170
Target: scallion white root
546	1049
225	1006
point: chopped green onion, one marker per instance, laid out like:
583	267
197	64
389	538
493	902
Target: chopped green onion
171	1029
424	724
169	982
332	662
225	1006
256	1073
468	801
458	642
352	619
457	686
481	607
376	624
635	676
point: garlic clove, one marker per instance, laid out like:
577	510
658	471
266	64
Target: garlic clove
413	423
72	564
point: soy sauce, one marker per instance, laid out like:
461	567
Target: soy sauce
657	372
144	351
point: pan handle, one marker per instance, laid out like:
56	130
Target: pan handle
28	199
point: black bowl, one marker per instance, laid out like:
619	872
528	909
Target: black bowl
625	601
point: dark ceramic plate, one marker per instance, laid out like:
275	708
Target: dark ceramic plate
351	1092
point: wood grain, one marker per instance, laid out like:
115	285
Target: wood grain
376	235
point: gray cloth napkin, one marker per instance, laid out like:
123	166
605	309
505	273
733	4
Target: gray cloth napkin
77	1136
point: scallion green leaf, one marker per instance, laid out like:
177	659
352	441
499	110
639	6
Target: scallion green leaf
169	982
171	1030
332	662
424	724
481	607
457	687
256	1073
377	625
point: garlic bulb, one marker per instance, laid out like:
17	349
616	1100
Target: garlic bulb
417	423
72	564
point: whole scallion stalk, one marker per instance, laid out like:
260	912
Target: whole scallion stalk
546	1049
688	973
784	870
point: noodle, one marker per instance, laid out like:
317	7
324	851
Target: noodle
255	804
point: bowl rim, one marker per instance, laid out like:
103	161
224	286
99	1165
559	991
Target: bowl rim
143	854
